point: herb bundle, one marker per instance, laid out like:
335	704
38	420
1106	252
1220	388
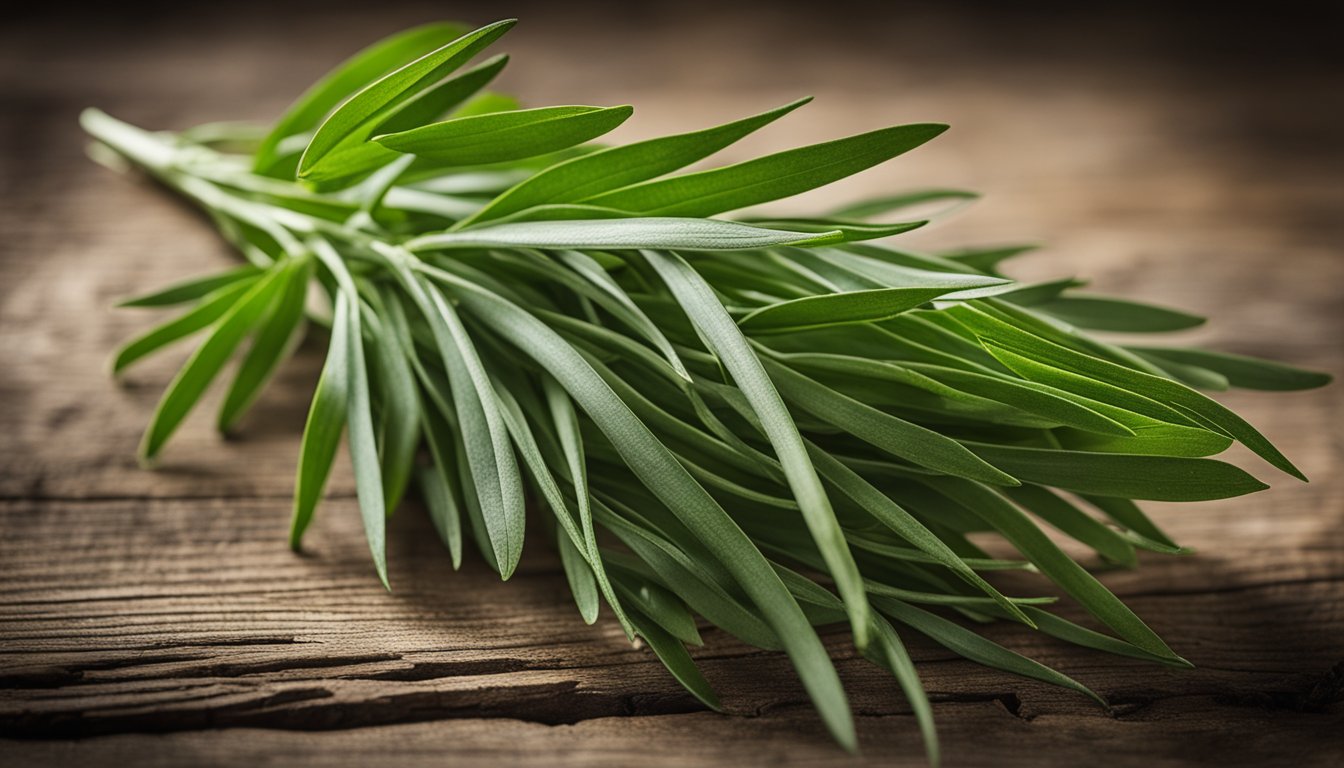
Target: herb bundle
771	424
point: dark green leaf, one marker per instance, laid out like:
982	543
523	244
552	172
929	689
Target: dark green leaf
1240	371
279	333
768	178
1158	478
837	309
501	136
608	169
1103	313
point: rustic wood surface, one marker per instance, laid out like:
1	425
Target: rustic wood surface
157	618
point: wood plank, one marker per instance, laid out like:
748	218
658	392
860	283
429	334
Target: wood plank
124	616
969	729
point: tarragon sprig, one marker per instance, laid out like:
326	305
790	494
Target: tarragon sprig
767	423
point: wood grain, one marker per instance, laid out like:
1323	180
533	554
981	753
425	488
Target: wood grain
157	618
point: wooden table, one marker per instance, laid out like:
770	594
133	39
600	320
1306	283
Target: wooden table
157	618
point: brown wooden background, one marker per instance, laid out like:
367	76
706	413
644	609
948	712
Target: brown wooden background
157	618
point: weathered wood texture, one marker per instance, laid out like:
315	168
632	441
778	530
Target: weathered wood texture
157	618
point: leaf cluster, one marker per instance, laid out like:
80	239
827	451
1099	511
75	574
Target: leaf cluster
764	425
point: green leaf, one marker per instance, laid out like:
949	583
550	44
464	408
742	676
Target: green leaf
888	652
1074	522
280	332
672	653
536	463
1028	539
362	442
854	231
1027	396
1127	513
768	178
1103	313
489	451
896	436
443	510
435	102
666	478
888	204
1070	632
354	120
322	432
352	74
208	359
655	233
193	289
214	306
1128	399
1240	371
679	572
890	514
566	423
729	345
886	274
1158	478
1119	376
586	278
399	402
502	136
352	160
659	604
486	104
1155	440
616	167
582	584
1190	375
837	309
896	659
966	643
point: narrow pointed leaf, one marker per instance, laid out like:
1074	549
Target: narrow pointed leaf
322	432
768	178
214	306
1103	313
351	75
966	643
672	653
1240	370
502	136
582	584
656	467
191	290
896	436
279	333
837	309
608	169
732	349
362	110
659	233
363	444
208	359
1158	478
